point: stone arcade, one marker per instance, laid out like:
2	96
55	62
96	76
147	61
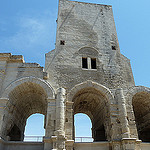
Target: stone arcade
86	73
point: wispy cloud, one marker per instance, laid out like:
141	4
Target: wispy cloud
33	36
32	32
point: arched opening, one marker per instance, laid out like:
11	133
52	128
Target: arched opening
34	129
141	107
83	128
26	99
14	134
93	103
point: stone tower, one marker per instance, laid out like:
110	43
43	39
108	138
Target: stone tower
87	48
85	73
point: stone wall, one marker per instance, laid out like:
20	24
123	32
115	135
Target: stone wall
13	67
92	146
86	73
87	30
21	145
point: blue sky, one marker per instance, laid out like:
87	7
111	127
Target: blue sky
28	28
35	125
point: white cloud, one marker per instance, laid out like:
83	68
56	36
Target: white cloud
33	36
32	32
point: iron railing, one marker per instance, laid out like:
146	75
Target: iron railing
33	138
40	139
83	139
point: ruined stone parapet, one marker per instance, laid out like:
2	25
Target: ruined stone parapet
11	58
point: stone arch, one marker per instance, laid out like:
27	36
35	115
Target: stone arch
26	96
93	100
88	52
45	85
95	85
138	100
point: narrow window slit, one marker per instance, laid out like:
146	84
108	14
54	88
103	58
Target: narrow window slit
93	63
84	63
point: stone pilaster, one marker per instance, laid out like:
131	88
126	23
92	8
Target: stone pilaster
130	144
49	140
69	126
69	121
51	117
69	144
123	113
126	143
3	102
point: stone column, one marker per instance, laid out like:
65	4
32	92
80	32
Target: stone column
60	111
3	102
127	143
123	114
50	124
60	119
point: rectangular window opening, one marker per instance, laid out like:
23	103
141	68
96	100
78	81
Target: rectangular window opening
84	63
93	63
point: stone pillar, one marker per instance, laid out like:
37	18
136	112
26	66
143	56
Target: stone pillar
51	117
60	110
126	142
50	124
123	114
60	119
69	123
130	144
3	102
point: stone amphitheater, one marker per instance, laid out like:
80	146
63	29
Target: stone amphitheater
85	73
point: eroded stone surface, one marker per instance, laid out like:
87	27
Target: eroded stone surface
86	73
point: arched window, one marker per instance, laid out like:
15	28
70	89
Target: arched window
83	128
89	57
34	129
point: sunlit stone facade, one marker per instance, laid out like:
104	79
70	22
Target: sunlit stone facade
85	73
